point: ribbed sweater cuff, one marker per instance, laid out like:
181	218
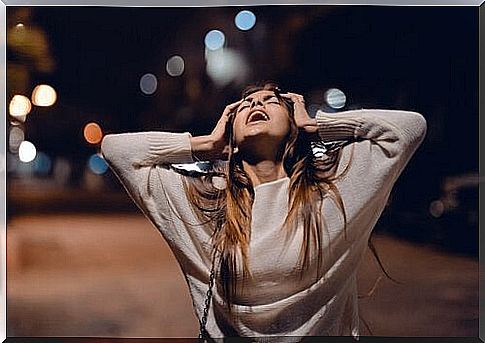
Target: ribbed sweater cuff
167	148
334	127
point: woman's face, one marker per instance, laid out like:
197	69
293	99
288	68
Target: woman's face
260	115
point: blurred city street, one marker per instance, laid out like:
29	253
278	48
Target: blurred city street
82	260
113	275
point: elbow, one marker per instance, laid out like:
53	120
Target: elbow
416	129
107	146
421	126
411	134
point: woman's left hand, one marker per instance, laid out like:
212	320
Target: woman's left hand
302	118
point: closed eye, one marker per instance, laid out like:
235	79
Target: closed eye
242	108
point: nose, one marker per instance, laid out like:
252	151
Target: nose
256	102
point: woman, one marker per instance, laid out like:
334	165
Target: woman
270	241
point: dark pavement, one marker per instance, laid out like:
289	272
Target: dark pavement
113	275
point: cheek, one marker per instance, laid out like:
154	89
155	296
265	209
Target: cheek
283	122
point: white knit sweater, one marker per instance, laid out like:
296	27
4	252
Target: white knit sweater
276	302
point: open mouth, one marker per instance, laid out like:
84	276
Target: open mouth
257	116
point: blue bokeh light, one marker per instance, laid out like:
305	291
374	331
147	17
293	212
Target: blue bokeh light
214	40
245	20
97	164
42	163
335	98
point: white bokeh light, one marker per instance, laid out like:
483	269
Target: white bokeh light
148	83
27	151
335	98
245	20
44	95
19	106
214	40
225	66
175	66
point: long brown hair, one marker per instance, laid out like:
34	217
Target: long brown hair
228	210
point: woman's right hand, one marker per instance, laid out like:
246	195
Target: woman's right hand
216	144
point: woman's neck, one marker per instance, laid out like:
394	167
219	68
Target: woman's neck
264	171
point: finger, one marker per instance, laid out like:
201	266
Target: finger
232	107
297	101
294	97
299	97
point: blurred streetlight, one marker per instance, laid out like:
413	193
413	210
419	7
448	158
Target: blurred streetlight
97	164
148	83
245	20
436	208
214	40
225	66
175	66
93	133
335	98
19	106
27	151
44	95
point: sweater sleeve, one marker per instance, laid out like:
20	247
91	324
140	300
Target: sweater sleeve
134	156
140	161
383	142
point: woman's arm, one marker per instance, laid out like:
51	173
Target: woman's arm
383	143
132	156
396	133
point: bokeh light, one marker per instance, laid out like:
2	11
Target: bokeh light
97	164
44	95
15	137
93	133
175	66
42	163
436	208
335	98
245	20
19	106
148	83
27	151
225	66
214	40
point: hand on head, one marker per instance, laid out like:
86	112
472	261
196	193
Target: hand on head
219	135
302	118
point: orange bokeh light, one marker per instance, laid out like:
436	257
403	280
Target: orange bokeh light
93	133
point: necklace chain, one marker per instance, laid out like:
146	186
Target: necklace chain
203	334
